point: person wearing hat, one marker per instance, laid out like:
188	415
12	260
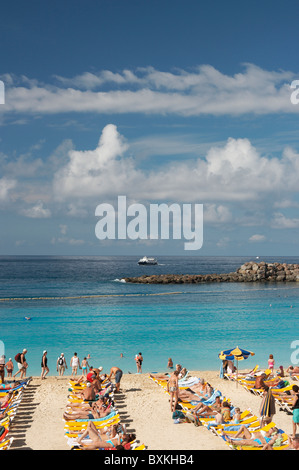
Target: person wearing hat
61	364
9	367
22	364
44	365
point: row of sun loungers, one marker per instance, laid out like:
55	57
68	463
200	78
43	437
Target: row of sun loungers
9	410
229	428
281	395
74	428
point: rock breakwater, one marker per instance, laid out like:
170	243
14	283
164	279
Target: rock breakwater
248	272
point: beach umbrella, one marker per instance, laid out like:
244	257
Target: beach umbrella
237	354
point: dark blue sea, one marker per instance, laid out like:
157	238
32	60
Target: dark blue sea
80	304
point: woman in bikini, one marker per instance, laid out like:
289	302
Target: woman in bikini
173	389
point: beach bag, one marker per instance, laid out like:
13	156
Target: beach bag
18	357
178	415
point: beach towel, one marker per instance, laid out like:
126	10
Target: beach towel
212	398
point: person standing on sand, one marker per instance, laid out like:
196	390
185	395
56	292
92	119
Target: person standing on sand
75	363
9	367
44	365
173	389
139	360
117	373
2	368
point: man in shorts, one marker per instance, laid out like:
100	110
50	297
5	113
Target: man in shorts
21	361
117	373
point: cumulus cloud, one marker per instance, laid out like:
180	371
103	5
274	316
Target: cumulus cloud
97	172
204	90
233	172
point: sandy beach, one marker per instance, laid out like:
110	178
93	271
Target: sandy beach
143	407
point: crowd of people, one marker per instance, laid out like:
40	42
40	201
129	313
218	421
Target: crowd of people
92	400
206	405
7	368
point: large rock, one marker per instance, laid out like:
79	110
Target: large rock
248	272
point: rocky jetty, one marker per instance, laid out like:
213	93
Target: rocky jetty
248	272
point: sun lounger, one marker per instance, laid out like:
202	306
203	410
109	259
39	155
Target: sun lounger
5	445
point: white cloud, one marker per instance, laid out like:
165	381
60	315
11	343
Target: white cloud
201	91
6	185
281	221
97	172
233	173
257	238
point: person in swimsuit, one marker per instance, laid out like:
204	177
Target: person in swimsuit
295	404
257	439
170	363
97	441
117	373
173	389
271	363
84	365
139	360
44	365
9	367
2	368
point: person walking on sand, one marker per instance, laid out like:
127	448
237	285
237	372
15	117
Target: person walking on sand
117	373
44	365
61	364
20	358
173	389
75	363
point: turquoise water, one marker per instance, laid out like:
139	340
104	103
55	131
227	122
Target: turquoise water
191	324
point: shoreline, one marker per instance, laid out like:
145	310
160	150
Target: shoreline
143	406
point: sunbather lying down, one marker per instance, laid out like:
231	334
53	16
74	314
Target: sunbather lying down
100	440
93	412
257	439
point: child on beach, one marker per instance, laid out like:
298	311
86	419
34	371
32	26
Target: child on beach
271	363
84	365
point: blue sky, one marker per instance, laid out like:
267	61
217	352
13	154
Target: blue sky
161	101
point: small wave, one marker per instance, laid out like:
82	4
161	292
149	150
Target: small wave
119	280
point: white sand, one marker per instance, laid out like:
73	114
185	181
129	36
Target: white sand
143	406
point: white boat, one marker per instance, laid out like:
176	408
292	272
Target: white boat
146	260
